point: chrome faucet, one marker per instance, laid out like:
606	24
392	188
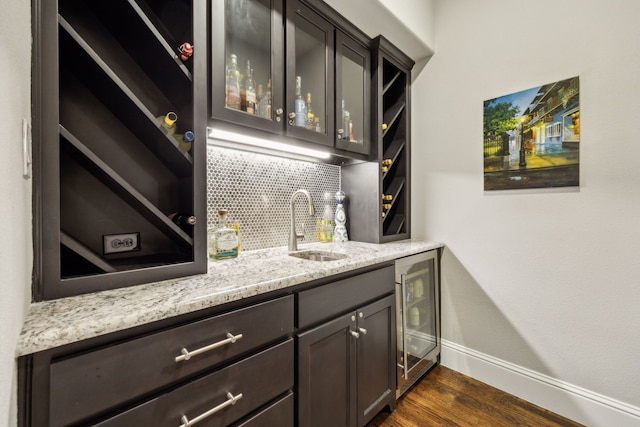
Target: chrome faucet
293	234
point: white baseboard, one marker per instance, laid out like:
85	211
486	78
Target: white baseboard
576	403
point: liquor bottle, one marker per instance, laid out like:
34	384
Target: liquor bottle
185	141
233	84
222	240
300	106
316	124
183	220
351	137
168	122
248	91
340	232
346	116
259	95
309	121
264	106
326	223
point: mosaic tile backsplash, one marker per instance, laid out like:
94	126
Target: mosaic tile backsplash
256	189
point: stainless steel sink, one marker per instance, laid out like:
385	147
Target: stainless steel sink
319	255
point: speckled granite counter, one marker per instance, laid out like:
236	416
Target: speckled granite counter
54	323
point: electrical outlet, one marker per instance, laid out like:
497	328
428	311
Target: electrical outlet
116	243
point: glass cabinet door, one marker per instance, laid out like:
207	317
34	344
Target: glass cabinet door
417	312
352	95
310	78
247	71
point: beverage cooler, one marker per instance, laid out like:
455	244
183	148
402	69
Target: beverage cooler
417	317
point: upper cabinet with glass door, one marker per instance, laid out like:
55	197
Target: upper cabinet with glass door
310	77
247	63
353	95
280	70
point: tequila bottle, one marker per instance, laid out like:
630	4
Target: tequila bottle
222	241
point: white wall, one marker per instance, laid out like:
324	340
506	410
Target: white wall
546	280
16	254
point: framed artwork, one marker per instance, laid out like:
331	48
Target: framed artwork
532	138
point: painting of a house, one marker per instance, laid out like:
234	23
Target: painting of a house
532	138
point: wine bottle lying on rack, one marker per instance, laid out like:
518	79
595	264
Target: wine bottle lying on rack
183	220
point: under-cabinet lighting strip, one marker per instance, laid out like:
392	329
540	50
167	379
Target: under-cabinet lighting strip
260	143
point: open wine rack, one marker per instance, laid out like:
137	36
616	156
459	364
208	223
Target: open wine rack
108	174
379	191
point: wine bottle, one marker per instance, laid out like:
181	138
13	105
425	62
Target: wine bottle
186	140
183	220
185	50
168	121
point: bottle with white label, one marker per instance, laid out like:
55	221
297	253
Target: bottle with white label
222	241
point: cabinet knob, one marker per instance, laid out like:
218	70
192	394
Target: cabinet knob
355	334
363	331
292	115
279	111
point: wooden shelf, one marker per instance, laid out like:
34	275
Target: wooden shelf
122	100
123	189
396	225
392	113
391	82
85	253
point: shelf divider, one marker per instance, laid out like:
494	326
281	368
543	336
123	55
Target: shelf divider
121	187
85	253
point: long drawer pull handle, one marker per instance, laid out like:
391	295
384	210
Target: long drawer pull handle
186	354
231	400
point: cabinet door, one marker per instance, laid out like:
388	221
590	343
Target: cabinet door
251	32
352	95
327	375
376	356
310	77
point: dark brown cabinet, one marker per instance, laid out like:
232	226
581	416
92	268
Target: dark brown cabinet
235	367
309	64
379	192
107	175
346	365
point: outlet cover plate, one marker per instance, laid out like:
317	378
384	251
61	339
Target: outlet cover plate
117	243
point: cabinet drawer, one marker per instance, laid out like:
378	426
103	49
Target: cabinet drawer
259	379
324	302
95	382
278	414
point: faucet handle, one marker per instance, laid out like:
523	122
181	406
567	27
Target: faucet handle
300	236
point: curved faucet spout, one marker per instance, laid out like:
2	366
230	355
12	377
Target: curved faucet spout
293	235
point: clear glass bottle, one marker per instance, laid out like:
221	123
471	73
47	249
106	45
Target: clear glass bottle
233	84
300	105
222	240
248	91
309	121
264	106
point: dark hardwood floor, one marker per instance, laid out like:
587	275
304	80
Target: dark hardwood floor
448	398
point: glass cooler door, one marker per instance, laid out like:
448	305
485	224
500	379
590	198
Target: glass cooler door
417	312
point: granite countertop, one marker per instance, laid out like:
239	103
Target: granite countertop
54	323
